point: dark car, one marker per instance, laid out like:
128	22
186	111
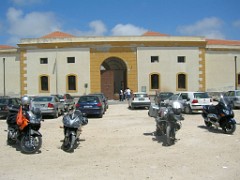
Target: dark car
103	98
90	105
6	103
161	97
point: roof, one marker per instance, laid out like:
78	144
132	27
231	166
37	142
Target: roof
151	33
6	47
57	34
222	42
209	41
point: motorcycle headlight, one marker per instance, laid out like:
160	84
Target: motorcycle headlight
226	111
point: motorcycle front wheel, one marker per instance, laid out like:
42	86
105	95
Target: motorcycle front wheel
170	133
10	141
229	128
68	143
208	124
30	144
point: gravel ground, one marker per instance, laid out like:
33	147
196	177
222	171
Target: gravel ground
121	145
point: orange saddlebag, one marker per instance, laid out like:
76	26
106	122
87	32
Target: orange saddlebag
22	121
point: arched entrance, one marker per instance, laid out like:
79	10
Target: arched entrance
113	77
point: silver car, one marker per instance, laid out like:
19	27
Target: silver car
49	105
234	98
139	99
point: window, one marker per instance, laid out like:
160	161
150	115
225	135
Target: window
181	59
154	81
71	82
43	60
154	59
181	81
70	59
44	83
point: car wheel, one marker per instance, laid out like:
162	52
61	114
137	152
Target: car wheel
188	110
100	115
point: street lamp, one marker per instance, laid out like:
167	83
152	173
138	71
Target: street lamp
236	79
4	83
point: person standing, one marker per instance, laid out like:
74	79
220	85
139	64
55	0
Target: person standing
121	95
128	95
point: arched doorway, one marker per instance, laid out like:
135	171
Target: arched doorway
113	77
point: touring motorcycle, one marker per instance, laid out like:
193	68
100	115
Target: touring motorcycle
26	135
168	122
220	115
72	124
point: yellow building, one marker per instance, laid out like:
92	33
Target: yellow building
61	63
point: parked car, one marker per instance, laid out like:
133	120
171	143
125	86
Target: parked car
6	103
175	97
161	96
191	101
49	105
139	99
103	98
90	105
234	98
66	99
215	95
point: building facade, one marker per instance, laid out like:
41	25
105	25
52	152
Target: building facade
61	63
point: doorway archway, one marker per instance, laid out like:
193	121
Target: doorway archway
113	77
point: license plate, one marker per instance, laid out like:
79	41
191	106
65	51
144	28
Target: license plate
140	99
87	106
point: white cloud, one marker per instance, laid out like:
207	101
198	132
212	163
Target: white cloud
25	2
34	24
127	30
208	27
97	28
236	24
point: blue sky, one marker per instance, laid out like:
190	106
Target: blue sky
216	19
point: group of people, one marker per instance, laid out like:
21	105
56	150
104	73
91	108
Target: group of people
123	95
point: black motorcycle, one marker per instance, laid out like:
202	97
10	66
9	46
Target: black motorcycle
220	115
72	124
168	123
29	138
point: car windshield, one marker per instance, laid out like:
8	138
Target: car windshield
3	101
99	95
200	95
140	95
88	99
60	96
42	99
165	95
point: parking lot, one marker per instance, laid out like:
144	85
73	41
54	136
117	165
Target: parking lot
122	145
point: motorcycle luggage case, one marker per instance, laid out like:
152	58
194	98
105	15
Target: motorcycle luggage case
153	110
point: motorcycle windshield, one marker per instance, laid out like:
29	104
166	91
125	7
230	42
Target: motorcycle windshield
224	100
71	121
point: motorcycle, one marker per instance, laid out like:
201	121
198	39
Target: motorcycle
168	123
27	135
72	124
220	115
